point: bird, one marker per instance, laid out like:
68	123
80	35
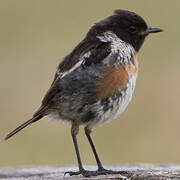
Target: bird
95	82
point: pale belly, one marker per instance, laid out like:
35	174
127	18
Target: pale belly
113	106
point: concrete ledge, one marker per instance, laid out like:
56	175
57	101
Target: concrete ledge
134	172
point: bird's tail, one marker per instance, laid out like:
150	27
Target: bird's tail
22	126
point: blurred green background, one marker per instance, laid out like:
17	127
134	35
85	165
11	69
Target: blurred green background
36	34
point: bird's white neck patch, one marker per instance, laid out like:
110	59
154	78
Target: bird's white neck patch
117	45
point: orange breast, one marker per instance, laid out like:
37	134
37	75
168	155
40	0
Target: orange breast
116	78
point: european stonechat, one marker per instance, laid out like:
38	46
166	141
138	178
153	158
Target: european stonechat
95	82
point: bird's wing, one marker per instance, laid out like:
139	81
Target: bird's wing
90	55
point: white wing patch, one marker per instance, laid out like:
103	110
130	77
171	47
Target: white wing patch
77	65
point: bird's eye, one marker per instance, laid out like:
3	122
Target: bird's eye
132	29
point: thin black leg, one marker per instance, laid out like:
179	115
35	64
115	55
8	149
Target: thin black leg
101	170
87	132
82	171
74	132
77	152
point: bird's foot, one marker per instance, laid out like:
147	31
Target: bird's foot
100	171
103	171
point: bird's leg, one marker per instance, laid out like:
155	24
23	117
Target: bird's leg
74	132
101	170
82	171
88	132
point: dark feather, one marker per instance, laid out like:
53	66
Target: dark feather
52	91
98	54
22	126
99	50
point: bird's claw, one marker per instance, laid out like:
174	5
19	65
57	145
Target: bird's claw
100	171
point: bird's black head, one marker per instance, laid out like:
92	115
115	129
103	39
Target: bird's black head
128	26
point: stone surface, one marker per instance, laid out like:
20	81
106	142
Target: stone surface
134	172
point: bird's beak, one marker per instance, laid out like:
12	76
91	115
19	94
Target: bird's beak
153	30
